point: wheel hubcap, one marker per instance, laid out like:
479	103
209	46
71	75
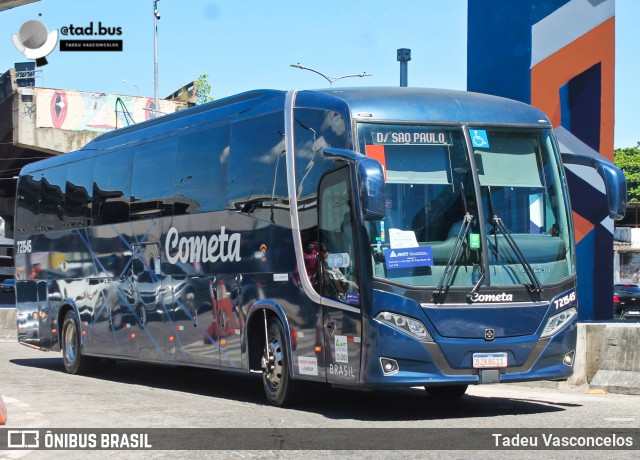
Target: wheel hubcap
70	342
272	363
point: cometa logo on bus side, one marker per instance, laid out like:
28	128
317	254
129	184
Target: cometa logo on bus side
223	247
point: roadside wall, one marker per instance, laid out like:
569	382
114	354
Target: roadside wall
8	330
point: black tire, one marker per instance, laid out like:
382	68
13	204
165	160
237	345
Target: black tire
74	361
446	391
276	378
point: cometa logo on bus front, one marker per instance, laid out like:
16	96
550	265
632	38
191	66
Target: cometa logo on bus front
504	297
223	247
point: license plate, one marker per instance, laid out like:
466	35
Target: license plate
489	360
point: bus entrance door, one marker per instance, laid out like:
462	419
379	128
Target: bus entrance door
339	284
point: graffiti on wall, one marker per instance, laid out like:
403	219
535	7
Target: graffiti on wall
100	112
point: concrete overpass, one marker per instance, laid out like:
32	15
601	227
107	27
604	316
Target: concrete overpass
36	123
8	4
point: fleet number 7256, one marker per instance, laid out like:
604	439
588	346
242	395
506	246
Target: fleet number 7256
24	246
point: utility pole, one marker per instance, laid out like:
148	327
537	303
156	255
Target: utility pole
156	17
404	56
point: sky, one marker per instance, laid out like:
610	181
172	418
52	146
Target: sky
250	44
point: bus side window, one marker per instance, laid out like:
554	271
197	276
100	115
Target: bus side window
112	188
201	170
154	164
78	194
257	173
315	130
28	196
51	203
337	248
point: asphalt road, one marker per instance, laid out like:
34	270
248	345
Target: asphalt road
39	394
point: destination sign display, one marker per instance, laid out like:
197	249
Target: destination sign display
405	136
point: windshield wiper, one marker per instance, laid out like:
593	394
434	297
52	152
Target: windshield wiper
458	246
475	287
497	224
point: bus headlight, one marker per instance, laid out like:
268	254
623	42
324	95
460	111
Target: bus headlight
558	321
402	323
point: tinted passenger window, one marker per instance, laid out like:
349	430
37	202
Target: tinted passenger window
28	196
26	291
201	170
78	194
112	188
314	131
152	182
257	176
51	199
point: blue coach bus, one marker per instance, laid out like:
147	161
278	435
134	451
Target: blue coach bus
366	238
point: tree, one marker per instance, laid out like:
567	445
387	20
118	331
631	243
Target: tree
628	159
203	88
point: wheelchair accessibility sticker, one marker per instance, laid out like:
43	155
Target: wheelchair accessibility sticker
479	138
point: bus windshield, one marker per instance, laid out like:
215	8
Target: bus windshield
431	234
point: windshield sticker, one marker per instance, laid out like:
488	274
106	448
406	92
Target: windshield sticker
410	136
474	240
402	238
338	260
408	257
352	298
479	138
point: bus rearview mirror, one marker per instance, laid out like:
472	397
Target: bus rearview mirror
613	178
370	181
371	188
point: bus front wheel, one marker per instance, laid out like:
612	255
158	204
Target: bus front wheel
74	361
276	378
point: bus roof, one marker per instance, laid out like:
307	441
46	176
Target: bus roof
436	105
364	103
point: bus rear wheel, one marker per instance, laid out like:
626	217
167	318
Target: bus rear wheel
74	361
276	378
447	391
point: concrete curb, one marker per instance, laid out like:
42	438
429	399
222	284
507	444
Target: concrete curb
619	363
588	348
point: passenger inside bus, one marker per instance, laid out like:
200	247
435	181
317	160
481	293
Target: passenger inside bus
311	258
